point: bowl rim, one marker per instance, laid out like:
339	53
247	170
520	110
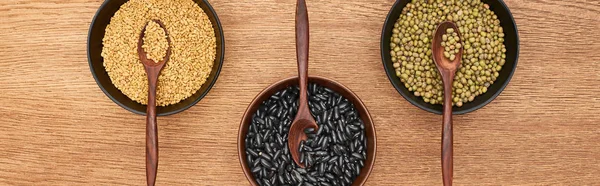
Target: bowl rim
210	85
417	104
255	100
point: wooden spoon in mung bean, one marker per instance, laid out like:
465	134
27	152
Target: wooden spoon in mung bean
152	71
447	69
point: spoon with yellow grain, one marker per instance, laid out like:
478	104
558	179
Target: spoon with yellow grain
447	54
151	56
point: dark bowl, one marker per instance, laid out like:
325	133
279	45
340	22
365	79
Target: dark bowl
511	40
339	88
94	49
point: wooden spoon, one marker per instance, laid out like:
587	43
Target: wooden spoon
303	119
447	70
152	71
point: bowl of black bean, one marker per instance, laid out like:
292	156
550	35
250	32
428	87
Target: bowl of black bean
341	152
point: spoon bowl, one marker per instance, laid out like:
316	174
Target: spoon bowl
511	41
370	132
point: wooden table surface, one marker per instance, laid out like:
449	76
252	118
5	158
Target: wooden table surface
58	128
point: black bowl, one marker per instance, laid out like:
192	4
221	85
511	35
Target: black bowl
511	40
94	48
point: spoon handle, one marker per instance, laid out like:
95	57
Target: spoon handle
447	142
151	128
302	39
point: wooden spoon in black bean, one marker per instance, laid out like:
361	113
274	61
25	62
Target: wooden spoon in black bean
447	70
152	71
304	119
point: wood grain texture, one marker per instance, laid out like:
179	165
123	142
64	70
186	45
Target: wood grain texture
58	128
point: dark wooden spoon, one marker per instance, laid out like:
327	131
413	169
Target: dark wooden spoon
303	119
447	70
152	71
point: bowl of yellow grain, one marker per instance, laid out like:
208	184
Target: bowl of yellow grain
197	52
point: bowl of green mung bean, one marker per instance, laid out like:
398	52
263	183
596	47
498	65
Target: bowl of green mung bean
489	39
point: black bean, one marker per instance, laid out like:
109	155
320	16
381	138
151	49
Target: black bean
276	154
324	158
280	112
329	167
281	178
286	150
318	108
251	152
265	163
347	173
329	115
285	158
329	176
347	180
357	168
272	108
325	184
308	148
275	97
279	140
297	175
309	160
266	182
333	159
322	104
325	143
337	150
360	148
321	142
341	136
265	156
273	178
258	141
311	179
256	163
321	97
362	136
269	123
320	131
301	147
336	170
256	169
262	173
339	100
249	158
346	159
301	170
260	121
334	137
336	113
321	153
321	169
288	177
